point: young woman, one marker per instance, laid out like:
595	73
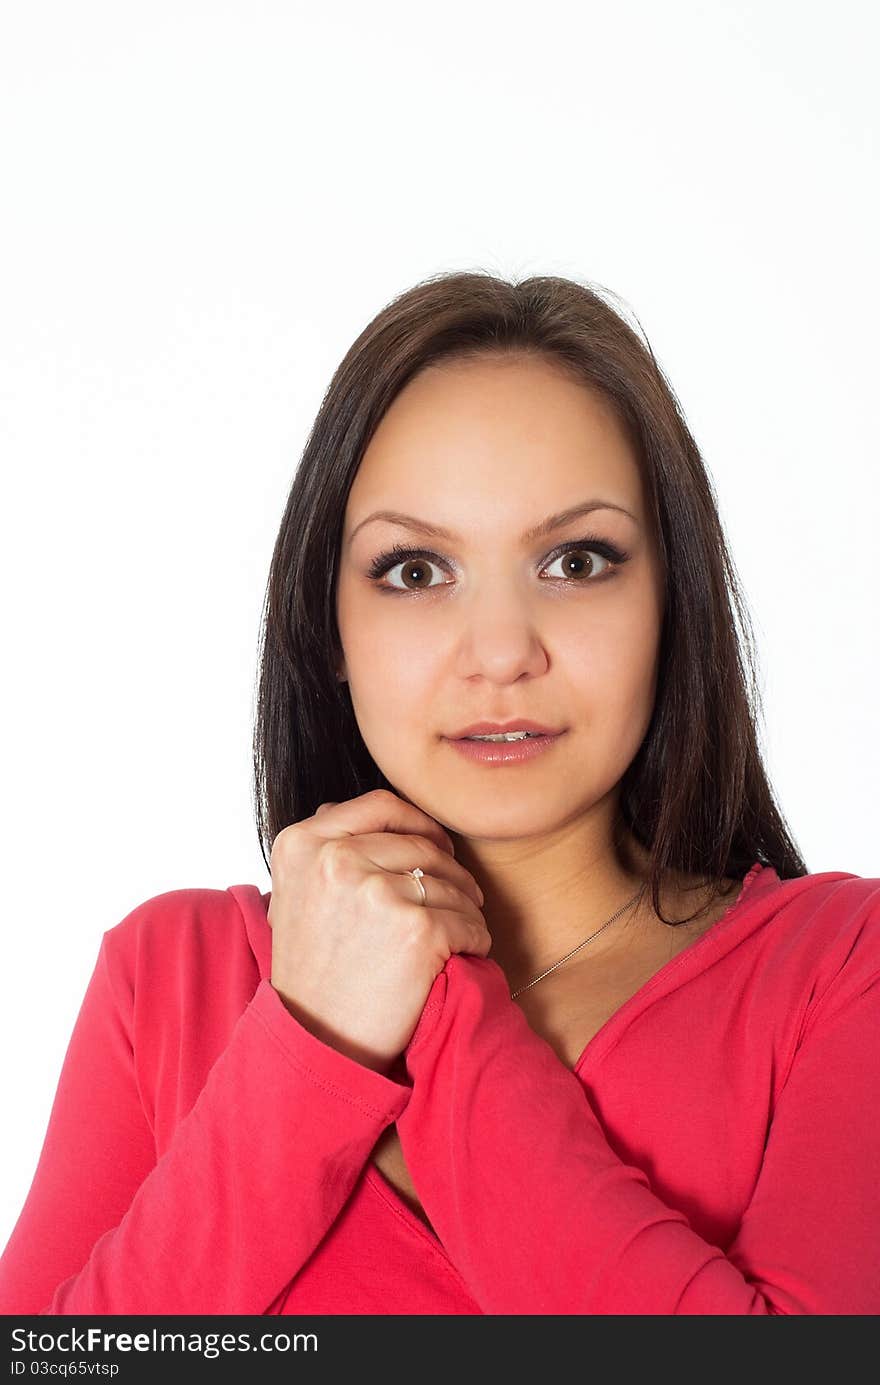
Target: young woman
543	1013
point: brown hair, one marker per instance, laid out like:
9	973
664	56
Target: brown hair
696	794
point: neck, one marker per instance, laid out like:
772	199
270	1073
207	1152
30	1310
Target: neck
544	898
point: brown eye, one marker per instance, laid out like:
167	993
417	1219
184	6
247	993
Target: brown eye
415	574
579	563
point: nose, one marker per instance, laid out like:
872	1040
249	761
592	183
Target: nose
499	638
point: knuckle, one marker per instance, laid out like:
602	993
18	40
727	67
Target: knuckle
429	847
334	857
378	887
282	846
466	895
280	839
419	924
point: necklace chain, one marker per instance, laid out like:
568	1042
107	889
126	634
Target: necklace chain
541	976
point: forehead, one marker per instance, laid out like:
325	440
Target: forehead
514	436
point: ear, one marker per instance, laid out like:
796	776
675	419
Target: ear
339	660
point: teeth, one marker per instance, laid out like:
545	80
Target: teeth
504	736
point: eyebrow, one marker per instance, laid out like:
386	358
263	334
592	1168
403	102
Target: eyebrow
546	526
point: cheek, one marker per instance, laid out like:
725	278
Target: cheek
614	656
395	649
366	619
391	663
611	666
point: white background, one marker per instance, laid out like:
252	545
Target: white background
204	203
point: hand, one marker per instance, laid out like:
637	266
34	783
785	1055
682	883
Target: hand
354	951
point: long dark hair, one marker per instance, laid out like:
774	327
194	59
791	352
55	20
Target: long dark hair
696	795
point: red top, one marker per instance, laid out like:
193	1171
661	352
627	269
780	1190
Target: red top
716	1148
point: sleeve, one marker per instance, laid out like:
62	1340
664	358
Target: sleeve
255	1173
539	1215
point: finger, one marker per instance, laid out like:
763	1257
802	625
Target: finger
463	934
441	894
395	852
379	811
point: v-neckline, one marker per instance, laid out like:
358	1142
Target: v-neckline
596	1047
600	1043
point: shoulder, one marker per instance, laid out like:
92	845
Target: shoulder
839	907
182	966
825	929
187	932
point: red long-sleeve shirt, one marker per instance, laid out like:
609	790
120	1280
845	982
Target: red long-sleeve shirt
715	1150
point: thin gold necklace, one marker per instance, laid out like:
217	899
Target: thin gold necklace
519	991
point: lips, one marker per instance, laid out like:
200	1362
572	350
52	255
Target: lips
503	754
489	728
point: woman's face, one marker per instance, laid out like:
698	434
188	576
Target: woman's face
489	623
